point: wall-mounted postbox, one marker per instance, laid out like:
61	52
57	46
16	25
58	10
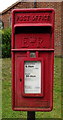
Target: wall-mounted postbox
32	59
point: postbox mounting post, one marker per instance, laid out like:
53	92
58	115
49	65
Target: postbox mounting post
30	115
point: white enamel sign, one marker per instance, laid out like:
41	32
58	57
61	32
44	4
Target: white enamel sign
32	76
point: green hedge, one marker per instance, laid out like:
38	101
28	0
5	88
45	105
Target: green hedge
1	32
6	42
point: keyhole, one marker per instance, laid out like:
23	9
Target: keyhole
32	54
20	79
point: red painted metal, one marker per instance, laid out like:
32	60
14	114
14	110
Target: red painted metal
31	24
49	50
32	30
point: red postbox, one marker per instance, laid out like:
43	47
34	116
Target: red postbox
32	59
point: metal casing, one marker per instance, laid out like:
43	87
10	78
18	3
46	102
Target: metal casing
32	30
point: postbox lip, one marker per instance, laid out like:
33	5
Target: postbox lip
33	10
32	24
33	109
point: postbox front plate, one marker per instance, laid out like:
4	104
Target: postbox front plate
32	75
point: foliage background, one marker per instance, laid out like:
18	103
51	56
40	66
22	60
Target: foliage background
6	42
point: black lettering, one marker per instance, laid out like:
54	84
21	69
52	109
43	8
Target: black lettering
39	18
35	18
28	18
45	17
24	18
32	76
30	66
48	17
19	18
27	75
